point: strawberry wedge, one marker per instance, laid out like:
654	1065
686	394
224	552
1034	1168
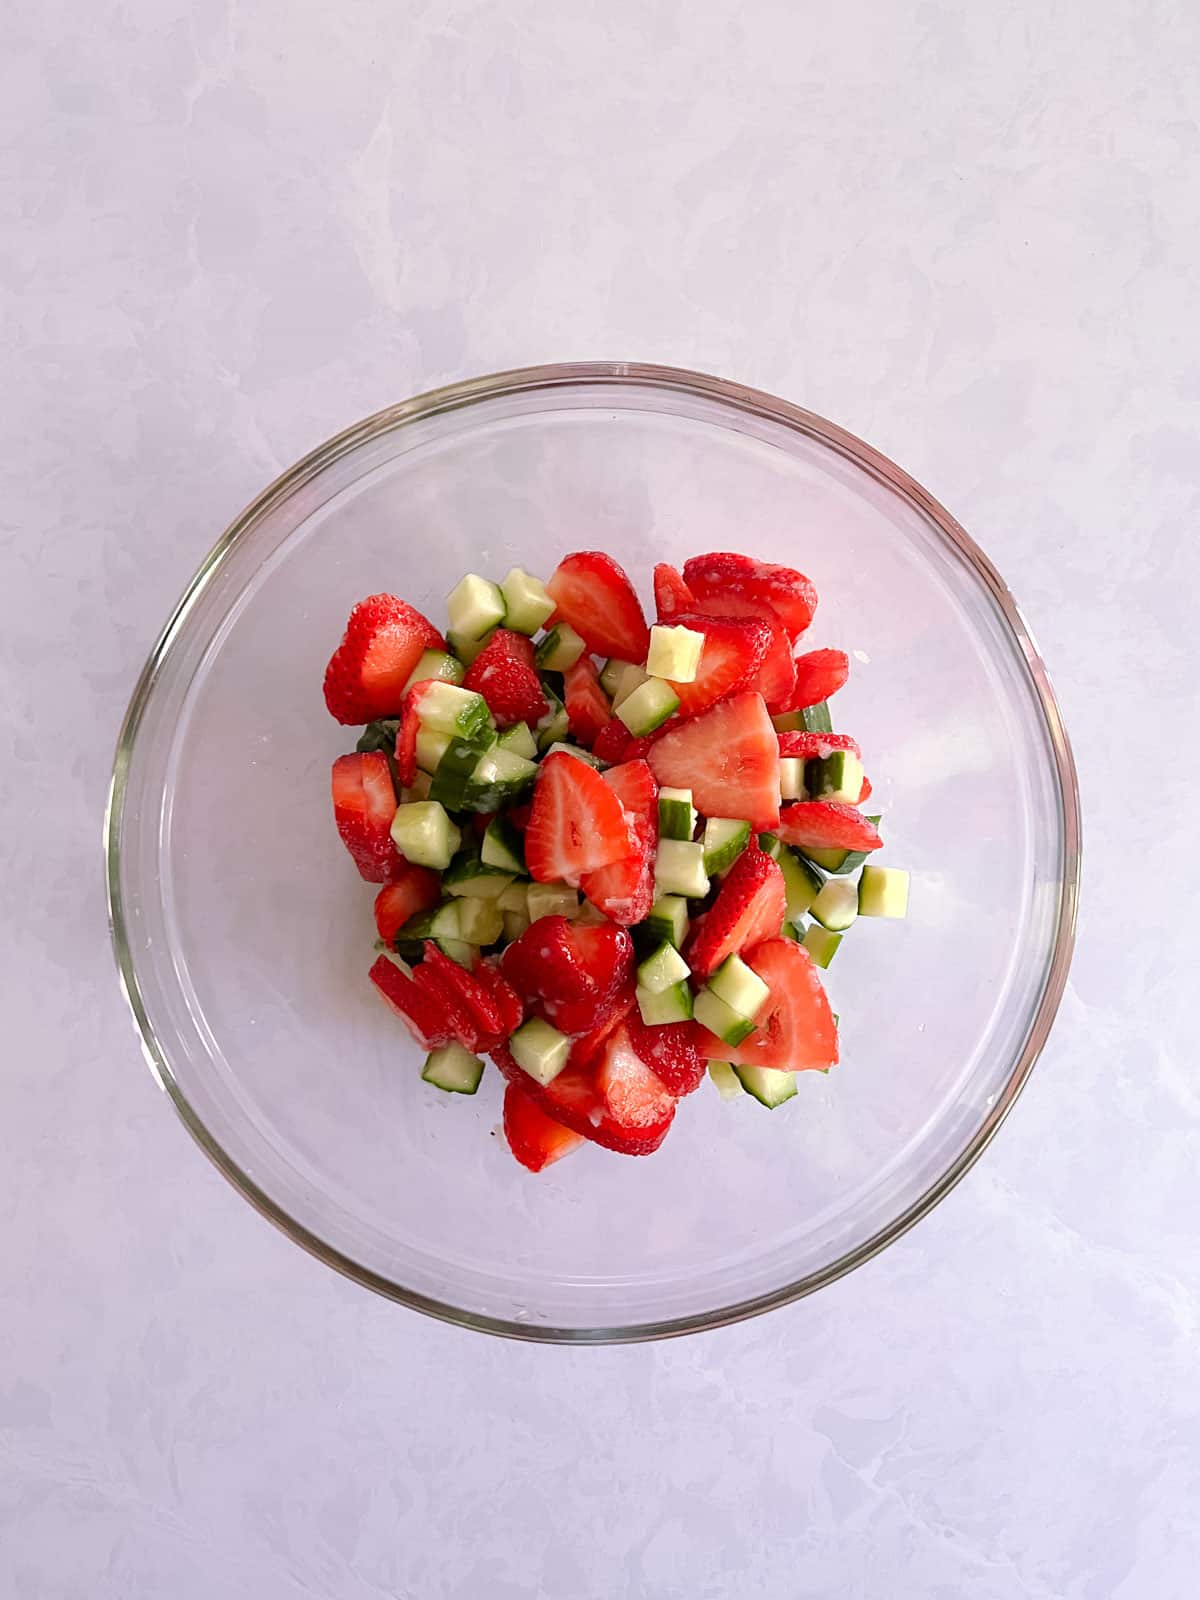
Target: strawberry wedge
367	672
594	595
364	803
728	757
534	1138
795	1030
624	891
734	648
788	593
819	675
577	823
749	908
827	825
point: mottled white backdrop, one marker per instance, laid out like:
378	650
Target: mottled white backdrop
968	231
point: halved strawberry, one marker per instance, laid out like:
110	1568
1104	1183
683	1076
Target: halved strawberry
411	890
588	710
624	891
819	674
572	975
728	757
671	594
734	648
364	803
576	823
457	1016
382	644
827	825
594	595
775	678
795	1030
750	907
617	1102
670	1051
421	1014
809	746
535	1139
504	674
612	741
788	593
508	1001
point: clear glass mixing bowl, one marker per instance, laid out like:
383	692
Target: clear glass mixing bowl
243	934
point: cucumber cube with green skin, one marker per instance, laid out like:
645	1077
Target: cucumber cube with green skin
631	677
425	835
740	987
724	840
674	653
456	770
801	883
498	779
770	844
728	1084
837	776
673	1004
442	922
795	930
768	1085
551	900
459	951
821	944
555	725
479	921
817	718
668	920
475	606
836	907
840	861
435	664
560	649
503	846
448	708
527	603
542	1051
883	892
713	1013
431	747
468	878
679	868
574	750
676	814
453	1069
648	707
788	722
791	778
465	648
662	970
611	674
519	739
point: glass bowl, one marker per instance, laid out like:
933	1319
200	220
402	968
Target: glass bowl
243	934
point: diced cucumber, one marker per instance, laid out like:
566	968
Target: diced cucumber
515	924
795	930
668	920
418	789
551	900
788	722
379	735
425	835
837	776
836	906
448	708
713	1013
469	878
648	707
674	653
676	814
770	844
679	869
662	970
573	750
631	677
435	664
443	922
431	747
817	718
459	950
610	675
515	898
479	921
673	1004
526	602
768	1085
560	649
453	1069
801	882
519	739
791	778
821	944
474	606
555	725
464	647
883	892
728	1084
724	840
740	987
840	861
498	779
457	767
503	846
540	1050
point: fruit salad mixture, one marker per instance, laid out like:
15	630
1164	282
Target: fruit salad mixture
616	859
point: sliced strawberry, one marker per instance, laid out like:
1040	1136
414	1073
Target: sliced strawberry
508	1001
728	757
504	674
624	891
476	994
421	1014
809	746
406	745
576	824
827	825
734	648
572	975
612	741
788	593
382	644
535	1139
588	709
588	1047
442	991
594	595
750	907
795	1029
775	678
819	674
670	1050
671	594
364	803
413	889
865	792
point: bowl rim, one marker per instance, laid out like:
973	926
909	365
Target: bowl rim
737	397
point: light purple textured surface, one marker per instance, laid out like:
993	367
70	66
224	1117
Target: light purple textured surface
969	234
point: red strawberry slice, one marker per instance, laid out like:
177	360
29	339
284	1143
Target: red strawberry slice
795	1029
734	650
819	674
617	1102
588	1047
865	792
827	825
504	674
670	1051
588	710
750	907
728	757
624	891
406	745
776	676
443	992
671	594
413	889
479	997
612	741
508	1001
572	975
382	644
788	593
810	745
421	1014
535	1139
594	595
576	823
364	803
